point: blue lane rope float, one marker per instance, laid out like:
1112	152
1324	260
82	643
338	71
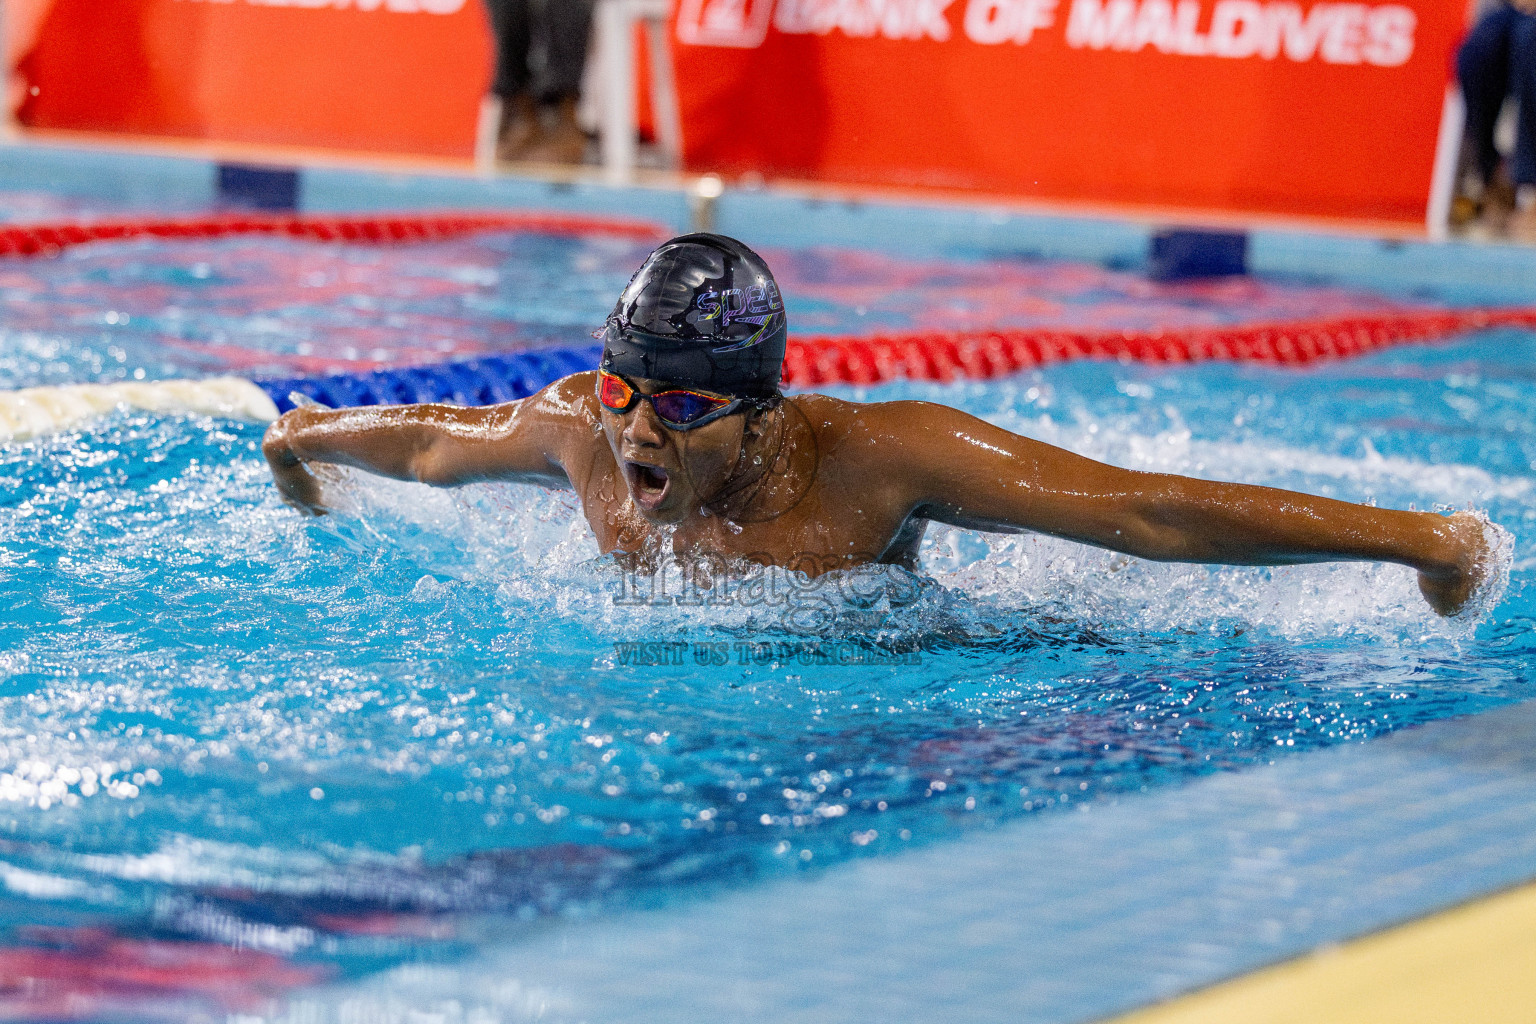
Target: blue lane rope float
482	381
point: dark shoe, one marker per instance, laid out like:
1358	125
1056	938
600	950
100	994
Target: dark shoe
1498	203
562	142
519	129
1464	211
1521	226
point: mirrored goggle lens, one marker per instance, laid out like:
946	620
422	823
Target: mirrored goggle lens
614	393
686	406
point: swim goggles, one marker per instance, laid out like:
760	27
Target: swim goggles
678	408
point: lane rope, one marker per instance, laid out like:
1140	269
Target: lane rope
379	228
925	356
810	361
979	355
35	412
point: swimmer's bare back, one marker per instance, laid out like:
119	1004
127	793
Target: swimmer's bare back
816	483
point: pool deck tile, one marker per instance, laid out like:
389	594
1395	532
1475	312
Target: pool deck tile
1475	962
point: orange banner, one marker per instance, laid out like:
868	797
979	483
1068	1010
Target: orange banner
1329	109
1244	106
392	76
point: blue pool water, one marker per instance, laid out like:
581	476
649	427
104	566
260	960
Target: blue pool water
406	729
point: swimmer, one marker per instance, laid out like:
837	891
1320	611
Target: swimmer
682	439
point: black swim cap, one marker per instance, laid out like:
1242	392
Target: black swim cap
702	311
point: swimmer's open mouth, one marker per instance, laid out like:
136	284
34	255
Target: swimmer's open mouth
648	484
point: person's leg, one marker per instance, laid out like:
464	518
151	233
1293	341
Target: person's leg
1482	65
511	27
567	24
564	28
1522	73
510	30
1484	199
1522	163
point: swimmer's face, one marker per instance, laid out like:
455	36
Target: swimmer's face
670	473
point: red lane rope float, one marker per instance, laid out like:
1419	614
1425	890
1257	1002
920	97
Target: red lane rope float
51	239
948	355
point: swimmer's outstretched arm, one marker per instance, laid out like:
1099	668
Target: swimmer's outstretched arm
443	445
956	469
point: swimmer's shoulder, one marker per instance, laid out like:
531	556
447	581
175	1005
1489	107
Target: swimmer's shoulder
890	447
866	425
869	448
559	419
569	401
575	394
562	421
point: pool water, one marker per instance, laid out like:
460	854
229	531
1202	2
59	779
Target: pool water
402	731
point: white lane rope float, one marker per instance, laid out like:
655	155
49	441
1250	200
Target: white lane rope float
43	411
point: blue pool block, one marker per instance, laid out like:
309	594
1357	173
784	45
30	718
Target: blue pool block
1180	254
244	187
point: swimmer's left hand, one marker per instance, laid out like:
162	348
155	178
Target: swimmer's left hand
295	482
1448	588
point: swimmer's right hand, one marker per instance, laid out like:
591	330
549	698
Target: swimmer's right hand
1448	589
297	485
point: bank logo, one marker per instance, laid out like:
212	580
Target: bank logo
742	24
1332	32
